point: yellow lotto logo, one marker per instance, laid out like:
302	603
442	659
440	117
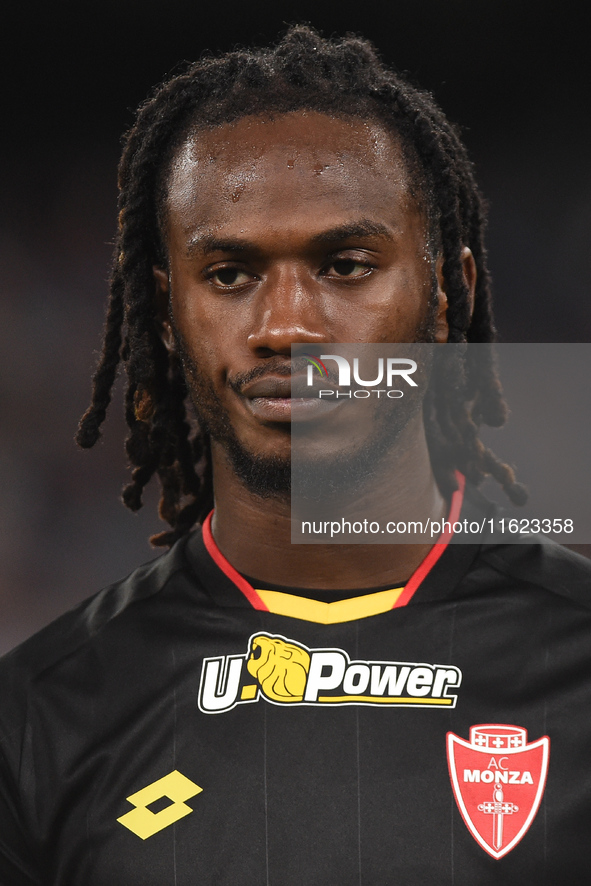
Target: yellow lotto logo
288	673
176	788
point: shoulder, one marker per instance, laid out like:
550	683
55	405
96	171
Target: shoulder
530	563
543	565
89	623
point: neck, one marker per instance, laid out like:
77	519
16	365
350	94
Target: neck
254	534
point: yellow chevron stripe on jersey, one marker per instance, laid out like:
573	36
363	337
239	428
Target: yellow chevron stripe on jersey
329	613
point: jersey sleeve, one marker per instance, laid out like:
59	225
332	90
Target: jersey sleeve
19	855
17	867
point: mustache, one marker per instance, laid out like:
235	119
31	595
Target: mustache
278	368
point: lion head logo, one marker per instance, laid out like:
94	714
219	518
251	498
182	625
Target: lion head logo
281	668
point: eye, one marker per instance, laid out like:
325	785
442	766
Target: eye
229	277
347	267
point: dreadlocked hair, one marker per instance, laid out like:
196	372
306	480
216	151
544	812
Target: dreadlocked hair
302	72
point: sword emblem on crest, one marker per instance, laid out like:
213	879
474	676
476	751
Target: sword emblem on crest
498	780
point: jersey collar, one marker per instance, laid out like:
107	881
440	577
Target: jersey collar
292	606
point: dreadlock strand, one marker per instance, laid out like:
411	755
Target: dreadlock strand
191	483
104	377
505	476
132	493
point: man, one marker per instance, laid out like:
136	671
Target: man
244	710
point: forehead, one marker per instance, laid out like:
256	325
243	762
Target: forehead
287	165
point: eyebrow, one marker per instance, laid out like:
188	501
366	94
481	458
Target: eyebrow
206	243
209	243
363	228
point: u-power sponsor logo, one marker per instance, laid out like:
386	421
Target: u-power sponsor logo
285	672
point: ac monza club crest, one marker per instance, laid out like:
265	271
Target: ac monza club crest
498	780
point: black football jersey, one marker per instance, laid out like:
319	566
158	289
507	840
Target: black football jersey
186	727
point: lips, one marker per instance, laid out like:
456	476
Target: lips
268	387
270	399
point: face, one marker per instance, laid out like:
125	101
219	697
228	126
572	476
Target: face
300	229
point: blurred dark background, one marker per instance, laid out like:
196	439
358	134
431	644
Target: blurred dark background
514	75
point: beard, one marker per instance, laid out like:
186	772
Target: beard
316	478
378	433
265	476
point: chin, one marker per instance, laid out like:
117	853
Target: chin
266	476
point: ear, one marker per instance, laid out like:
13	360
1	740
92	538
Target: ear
441	331
162	297
469	274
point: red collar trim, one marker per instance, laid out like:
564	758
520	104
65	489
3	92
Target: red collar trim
423	569
410	587
227	568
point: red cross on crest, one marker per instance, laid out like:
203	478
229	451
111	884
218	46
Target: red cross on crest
498	780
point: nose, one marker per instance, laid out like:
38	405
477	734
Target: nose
289	310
